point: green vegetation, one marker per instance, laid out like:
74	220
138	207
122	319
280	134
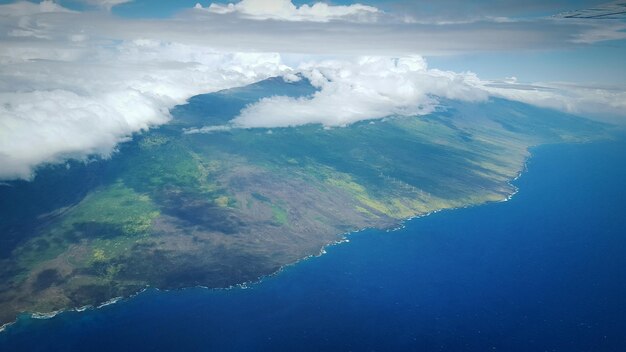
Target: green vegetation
107	220
152	141
279	215
174	209
128	212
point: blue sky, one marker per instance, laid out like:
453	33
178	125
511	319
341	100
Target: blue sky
599	64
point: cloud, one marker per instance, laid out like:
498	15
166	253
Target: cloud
105	4
81	101
610	30
25	8
389	35
285	10
611	10
74	84
207	129
602	103
43	126
363	89
378	87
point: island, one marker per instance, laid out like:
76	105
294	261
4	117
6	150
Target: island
198	203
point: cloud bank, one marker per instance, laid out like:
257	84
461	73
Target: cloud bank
74	84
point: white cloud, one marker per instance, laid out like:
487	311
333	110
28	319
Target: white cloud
25	8
389	35
285	10
78	100
40	126
378	87
207	129
74	84
367	88
105	4
602	103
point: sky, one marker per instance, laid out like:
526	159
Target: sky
602	61
78	77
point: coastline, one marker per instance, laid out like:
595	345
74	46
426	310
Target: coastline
431	275
344	238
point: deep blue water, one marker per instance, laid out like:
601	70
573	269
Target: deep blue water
545	271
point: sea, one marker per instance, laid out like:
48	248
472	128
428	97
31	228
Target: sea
544	271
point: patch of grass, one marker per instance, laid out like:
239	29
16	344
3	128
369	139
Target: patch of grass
98	255
107	218
359	193
171	164
105	249
115	205
279	215
150	141
33	252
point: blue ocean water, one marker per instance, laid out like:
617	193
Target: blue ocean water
545	271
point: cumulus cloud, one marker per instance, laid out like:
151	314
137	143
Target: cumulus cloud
366	88
378	87
285	10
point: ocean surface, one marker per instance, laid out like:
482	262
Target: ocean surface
545	271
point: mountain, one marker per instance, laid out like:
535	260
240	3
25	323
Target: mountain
197	202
